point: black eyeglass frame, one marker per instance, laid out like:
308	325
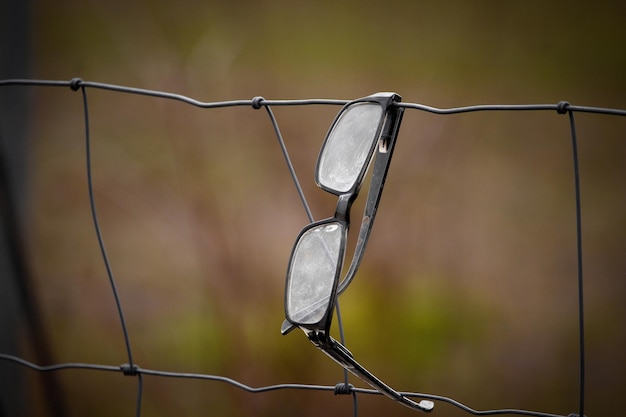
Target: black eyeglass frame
318	332
382	151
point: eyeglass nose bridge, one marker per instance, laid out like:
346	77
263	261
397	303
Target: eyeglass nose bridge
344	204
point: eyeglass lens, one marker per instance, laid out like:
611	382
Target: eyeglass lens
348	146
313	269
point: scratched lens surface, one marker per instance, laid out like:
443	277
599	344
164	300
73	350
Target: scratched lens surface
314	267
348	149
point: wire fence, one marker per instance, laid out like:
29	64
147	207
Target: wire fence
132	369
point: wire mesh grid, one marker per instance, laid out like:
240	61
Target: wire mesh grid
130	367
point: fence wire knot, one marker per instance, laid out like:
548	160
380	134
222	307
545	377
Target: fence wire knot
129	370
257	102
562	107
75	84
343	389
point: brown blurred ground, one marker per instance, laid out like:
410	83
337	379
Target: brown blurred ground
468	288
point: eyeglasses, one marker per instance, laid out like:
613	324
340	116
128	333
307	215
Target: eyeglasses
317	258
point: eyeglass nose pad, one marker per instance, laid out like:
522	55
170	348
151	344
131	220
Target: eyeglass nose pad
286	327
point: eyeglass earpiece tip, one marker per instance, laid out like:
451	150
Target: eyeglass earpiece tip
426	405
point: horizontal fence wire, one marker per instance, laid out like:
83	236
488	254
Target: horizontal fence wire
132	369
124	369
76	83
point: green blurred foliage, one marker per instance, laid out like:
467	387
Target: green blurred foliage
468	288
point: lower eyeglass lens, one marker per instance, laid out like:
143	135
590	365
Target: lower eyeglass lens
313	269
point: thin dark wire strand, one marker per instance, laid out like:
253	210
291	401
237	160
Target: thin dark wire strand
139	395
185	99
105	257
37	83
292	171
165	374
470	410
579	256
346	376
509	107
96	223
207	105
266	388
58	366
342	338
76	82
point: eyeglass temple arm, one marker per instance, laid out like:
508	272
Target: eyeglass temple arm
343	357
379	175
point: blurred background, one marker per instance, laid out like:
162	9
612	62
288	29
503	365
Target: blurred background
469	285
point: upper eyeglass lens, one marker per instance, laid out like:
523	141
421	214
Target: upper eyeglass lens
348	147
